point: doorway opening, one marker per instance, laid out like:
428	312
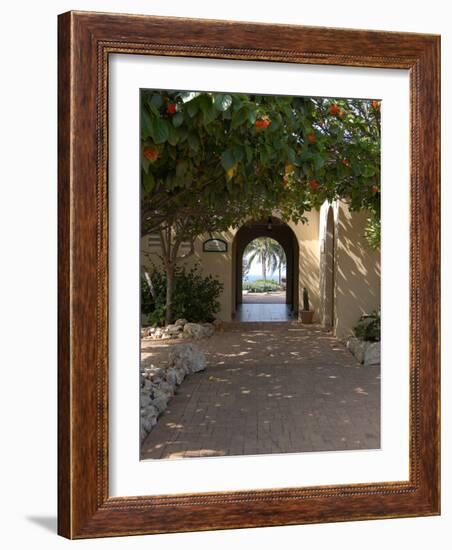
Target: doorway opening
264	272
265	275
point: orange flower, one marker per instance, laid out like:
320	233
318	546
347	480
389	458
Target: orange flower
334	109
313	184
311	137
262	123
151	154
171	108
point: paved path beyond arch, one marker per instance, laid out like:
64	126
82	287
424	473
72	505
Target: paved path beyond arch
269	388
250	313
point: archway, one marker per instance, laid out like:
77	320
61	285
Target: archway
281	233
329	294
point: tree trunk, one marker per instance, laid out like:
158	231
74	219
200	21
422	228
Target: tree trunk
279	274
264	269
169	293
150	285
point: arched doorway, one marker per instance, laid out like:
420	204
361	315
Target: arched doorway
329	294
282	234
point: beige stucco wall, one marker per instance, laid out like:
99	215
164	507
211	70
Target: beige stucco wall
357	271
307	235
214	263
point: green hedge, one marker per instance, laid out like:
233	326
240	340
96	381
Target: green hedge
261	286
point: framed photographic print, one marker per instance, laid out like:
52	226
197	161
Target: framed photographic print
293	376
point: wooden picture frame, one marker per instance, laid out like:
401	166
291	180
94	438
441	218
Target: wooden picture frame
85	508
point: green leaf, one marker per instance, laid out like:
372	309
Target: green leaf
156	101
145	163
183	133
356	169
239	117
319	162
146	124
291	156
193	141
207	108
173	137
368	171
249	153
160	130
227	160
178	119
236	102
305	155
264	156
148	182
223	102
252	115
278	145
181	168
192	108
238	153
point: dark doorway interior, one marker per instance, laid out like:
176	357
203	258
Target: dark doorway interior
329	270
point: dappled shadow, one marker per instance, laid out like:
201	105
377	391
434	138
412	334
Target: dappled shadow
357	278
271	388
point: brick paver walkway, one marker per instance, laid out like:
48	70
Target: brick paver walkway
269	388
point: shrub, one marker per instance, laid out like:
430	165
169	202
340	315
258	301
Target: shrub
195	296
368	327
261	286
372	233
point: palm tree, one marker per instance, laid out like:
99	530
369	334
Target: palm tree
277	260
246	266
258	250
268	252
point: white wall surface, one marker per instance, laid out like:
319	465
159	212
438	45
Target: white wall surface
28	271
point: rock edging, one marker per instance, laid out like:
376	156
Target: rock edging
180	329
367	353
158	384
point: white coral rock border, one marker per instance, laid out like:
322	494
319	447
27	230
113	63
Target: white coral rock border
180	329
367	353
158	384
